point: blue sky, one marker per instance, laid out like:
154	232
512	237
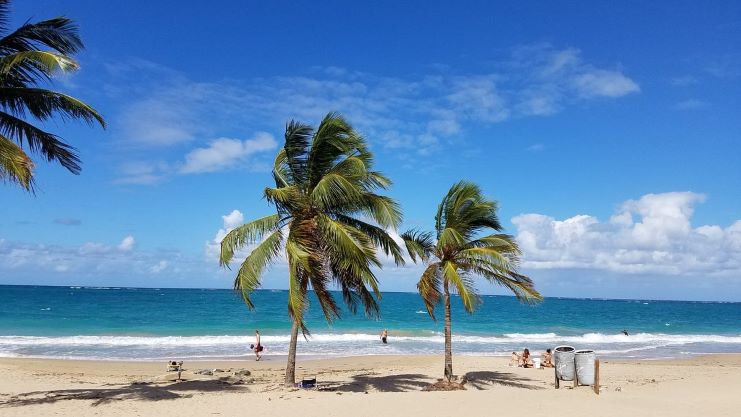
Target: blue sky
609	133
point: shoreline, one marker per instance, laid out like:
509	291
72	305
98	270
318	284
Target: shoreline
249	357
368	385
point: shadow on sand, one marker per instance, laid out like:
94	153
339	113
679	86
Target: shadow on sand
386	383
136	391
479	380
485	379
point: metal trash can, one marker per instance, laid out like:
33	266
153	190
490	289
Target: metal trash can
584	360
563	357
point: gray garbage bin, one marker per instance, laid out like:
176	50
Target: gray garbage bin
563	357
584	361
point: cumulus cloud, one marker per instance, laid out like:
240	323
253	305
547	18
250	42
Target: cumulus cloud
653	234
224	153
230	221
127	244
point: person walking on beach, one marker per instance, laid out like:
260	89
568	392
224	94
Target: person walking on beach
384	336
257	347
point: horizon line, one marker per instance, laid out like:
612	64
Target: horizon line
392	292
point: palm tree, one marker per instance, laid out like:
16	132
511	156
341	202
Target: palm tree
23	66
329	223
465	247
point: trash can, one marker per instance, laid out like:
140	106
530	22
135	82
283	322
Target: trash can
584	360
563	357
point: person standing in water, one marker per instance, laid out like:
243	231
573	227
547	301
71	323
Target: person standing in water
384	336
257	347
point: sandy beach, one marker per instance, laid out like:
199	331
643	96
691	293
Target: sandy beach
366	386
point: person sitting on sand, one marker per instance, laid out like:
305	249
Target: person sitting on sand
384	336
547	359
525	360
257	347
515	360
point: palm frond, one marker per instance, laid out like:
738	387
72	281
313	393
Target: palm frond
450	239
287	199
465	209
463	285
15	165
382	209
246	234
419	244
44	104
379	236
296	150
60	34
22	68
429	288
353	248
51	146
248	276
320	284
333	188
333	139
521	286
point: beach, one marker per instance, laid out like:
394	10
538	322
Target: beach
366	386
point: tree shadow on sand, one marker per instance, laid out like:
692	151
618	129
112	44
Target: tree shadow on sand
135	391
485	379
385	383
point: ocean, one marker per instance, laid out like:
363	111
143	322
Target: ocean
163	323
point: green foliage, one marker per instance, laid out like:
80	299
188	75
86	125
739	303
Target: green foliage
329	221
24	64
459	254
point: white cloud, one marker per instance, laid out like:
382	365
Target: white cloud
92	261
422	114
602	83
127	244
231	221
650	235
224	153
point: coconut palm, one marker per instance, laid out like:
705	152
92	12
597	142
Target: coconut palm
328	223
468	244
29	56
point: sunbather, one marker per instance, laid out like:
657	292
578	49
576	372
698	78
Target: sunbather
547	359
515	360
525	360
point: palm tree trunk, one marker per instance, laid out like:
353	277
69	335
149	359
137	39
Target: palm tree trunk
291	365
448	341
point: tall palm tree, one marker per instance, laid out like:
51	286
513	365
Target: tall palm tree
329	223
29	56
468	244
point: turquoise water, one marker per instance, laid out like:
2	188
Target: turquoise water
152	324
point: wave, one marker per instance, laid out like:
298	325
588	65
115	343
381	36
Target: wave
510	338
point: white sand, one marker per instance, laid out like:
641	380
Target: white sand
368	386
